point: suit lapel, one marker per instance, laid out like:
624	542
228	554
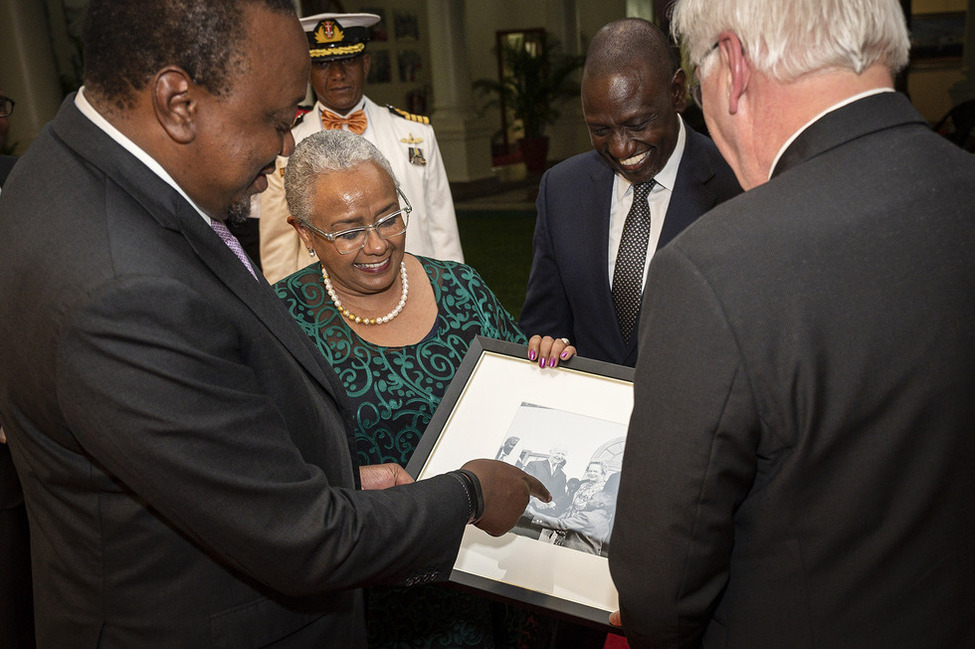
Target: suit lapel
172	212
862	117
692	195
595	235
255	293
597	206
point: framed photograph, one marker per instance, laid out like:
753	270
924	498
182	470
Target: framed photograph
409	63
416	100
567	427
380	68
937	36
406	25
378	32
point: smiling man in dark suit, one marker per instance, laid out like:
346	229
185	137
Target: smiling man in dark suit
593	241
182	446
798	468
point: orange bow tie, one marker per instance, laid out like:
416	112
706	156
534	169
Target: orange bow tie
356	121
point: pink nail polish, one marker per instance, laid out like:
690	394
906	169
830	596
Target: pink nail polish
532	355
564	355
541	362
551	362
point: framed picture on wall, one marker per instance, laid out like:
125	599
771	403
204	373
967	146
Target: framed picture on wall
406	25
937	36
409	64
380	31
567	426
417	100
380	68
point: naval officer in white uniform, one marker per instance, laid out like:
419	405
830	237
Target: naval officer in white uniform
340	65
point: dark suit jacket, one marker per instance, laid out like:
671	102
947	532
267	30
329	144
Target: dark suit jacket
6	164
10	493
798	468
568	288
16	608
554	482
181	445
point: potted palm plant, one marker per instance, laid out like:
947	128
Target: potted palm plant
536	79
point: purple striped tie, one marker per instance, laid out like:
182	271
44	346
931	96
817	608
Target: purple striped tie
232	243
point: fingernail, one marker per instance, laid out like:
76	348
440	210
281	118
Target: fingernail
532	355
564	355
541	362
551	362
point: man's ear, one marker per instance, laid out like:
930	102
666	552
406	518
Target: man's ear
739	70
678	89
175	103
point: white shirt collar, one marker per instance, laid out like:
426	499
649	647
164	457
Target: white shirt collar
848	100
89	111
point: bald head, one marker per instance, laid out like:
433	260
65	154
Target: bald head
631	43
632	91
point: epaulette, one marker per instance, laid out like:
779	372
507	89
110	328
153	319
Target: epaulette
300	114
419	119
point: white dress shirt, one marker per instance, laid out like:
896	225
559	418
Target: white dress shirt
659	200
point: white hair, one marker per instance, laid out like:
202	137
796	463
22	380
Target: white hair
320	153
785	39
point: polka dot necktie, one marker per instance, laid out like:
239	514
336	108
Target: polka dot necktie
630	260
232	243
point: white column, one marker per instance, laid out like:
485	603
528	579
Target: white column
640	9
567	27
465	138
568	135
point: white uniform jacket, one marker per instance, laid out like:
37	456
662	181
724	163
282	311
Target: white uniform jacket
411	147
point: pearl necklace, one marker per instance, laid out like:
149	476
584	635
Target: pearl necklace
368	321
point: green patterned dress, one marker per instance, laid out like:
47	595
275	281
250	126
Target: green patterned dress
394	392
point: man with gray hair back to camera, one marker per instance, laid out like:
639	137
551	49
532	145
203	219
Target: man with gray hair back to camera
798	468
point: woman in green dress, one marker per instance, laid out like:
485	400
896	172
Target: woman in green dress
395	328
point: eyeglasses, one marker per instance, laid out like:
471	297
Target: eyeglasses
695	89
386	227
6	106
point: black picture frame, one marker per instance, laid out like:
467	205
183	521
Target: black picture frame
583	405
380	68
406	25
937	37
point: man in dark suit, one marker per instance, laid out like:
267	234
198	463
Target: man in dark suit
504	453
181	445
550	473
6	165
591	248
16	608
798	468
